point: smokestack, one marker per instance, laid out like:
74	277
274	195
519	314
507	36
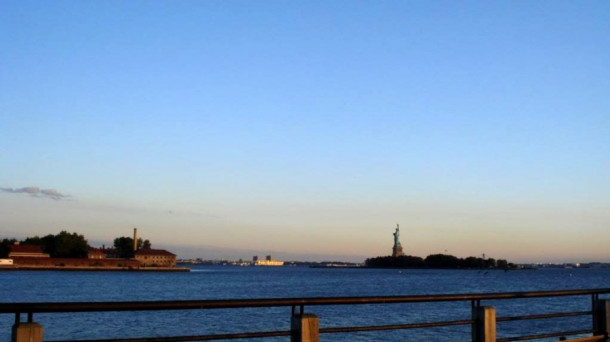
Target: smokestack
135	239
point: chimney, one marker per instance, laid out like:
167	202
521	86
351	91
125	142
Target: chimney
135	239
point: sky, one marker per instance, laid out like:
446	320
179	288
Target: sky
309	129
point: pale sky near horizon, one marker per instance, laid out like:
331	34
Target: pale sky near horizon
310	128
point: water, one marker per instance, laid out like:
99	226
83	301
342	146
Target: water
283	282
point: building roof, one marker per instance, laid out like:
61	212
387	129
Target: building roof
30	249
162	252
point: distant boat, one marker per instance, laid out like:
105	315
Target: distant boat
268	263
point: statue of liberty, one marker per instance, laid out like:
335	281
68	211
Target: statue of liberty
396	237
397	249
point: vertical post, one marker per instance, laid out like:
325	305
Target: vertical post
601	317
484	329
27	332
305	328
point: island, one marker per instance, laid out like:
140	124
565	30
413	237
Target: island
399	260
71	252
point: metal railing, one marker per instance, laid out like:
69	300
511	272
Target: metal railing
298	305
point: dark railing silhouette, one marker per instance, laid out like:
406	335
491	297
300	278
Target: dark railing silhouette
599	319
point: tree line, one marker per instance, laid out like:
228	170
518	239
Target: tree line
73	245
437	261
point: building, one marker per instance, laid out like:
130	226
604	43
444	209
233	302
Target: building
26	251
155	258
267	262
96	254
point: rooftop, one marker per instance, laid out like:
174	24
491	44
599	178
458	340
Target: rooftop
154	252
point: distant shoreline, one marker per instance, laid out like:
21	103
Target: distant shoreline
94	269
446	268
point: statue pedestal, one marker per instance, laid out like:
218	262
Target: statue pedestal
397	251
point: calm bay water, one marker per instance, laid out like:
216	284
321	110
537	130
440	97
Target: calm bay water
260	282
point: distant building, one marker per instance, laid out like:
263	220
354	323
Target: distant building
26	251
109	252
267	262
155	257
96	254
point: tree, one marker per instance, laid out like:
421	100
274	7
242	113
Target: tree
70	245
490	263
124	246
502	263
406	261
62	245
4	247
437	261
46	243
473	262
442	261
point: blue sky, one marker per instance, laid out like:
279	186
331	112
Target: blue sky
310	128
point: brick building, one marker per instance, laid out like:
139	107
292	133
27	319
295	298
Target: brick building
96	254
155	257
26	251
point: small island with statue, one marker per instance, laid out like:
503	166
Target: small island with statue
439	261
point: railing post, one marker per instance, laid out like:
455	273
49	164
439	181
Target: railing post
305	328
27	332
484	329
601	317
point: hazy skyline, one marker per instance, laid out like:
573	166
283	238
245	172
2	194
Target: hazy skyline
310	128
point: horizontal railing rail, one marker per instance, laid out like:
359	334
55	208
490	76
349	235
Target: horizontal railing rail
277	302
548	335
300	303
543	316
